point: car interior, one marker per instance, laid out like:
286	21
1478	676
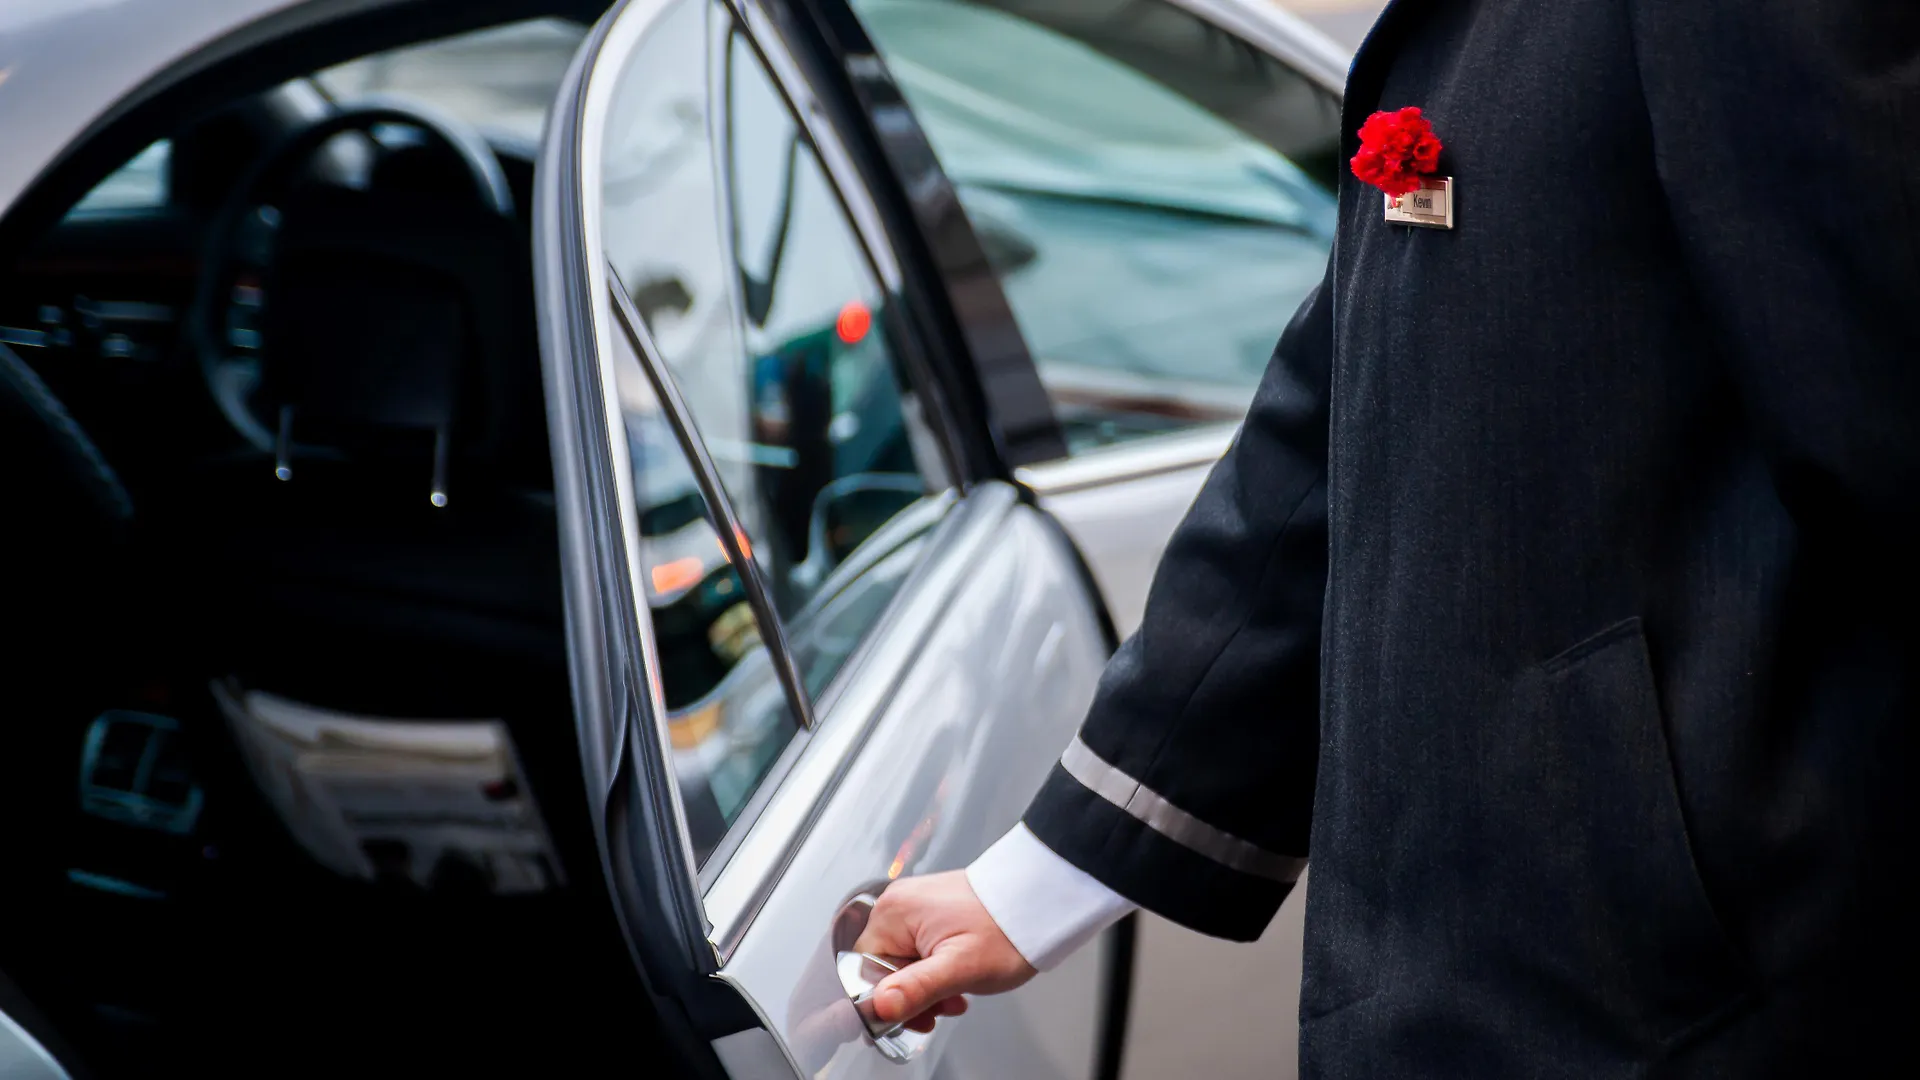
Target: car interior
291	785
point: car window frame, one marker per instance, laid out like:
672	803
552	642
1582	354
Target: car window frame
950	478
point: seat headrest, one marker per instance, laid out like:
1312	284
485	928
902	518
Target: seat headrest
398	329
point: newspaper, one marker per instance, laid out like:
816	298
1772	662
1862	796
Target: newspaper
439	805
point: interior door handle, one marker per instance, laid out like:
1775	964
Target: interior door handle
861	972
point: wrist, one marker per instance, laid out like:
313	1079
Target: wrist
1046	907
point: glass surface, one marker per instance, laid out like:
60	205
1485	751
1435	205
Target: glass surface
1156	196
140	184
822	449
501	80
760	303
727	716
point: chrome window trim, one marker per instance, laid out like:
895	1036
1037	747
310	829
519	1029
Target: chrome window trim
1174	452
1281	34
856	701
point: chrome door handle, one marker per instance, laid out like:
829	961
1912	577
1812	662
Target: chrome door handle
862	972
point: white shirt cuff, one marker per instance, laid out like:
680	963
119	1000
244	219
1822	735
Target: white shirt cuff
1046	906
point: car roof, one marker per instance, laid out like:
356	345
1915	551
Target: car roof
65	63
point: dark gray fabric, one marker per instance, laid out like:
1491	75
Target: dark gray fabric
1614	496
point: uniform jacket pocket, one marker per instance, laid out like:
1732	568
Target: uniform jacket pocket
1608	904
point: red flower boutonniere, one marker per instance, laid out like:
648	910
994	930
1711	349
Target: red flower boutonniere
1397	149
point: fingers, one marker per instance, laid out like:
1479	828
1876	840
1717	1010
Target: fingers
960	950
889	930
919	987
950	1007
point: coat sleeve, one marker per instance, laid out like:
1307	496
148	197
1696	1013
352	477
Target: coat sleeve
1190	786
1787	138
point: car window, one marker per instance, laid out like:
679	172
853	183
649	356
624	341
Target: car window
500	80
727	718
1155	196
720	225
823	446
143	183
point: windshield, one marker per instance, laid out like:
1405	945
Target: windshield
501	80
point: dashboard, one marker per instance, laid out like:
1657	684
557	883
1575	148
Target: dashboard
110	330
98	307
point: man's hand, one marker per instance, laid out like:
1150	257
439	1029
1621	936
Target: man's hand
959	949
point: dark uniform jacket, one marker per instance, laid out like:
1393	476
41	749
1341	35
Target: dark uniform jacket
1558	595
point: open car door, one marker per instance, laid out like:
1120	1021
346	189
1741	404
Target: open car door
818	639
27	1043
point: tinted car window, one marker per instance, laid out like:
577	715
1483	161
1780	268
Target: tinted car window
141	184
1156	196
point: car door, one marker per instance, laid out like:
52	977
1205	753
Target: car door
818	639
1153	183
24	1038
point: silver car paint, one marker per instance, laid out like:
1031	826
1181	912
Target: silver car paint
947	767
65	64
22	1057
1121	505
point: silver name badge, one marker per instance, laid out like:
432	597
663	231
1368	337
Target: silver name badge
1431	207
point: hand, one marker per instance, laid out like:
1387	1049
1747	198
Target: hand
959	947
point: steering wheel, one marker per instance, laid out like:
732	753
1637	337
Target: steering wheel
231	380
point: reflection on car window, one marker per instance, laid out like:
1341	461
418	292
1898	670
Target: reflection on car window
500	80
140	184
823	448
1156	196
767	317
727	717
727	713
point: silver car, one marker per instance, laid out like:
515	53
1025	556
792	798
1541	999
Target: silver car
532	514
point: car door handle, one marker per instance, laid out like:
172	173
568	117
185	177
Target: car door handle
862	972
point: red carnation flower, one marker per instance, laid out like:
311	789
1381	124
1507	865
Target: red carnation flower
1396	150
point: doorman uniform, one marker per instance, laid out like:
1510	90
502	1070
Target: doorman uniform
1559	595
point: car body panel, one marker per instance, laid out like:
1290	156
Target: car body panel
1122	505
47	99
944	768
22	1057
